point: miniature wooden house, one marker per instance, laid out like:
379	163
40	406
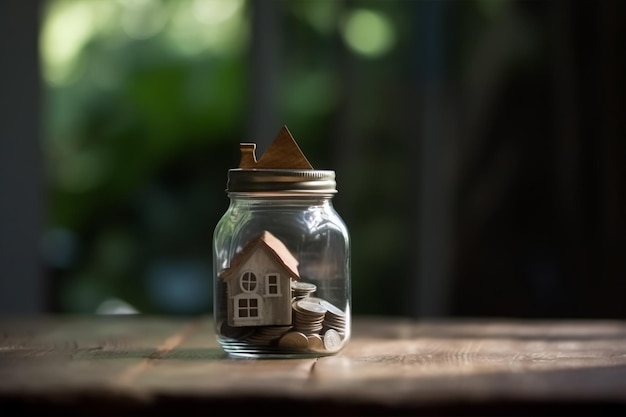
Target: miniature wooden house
258	283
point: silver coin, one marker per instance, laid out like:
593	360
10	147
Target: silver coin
332	309
332	340
310	307
304	286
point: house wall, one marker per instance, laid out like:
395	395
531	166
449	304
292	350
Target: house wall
277	309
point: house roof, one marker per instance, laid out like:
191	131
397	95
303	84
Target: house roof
283	153
273	246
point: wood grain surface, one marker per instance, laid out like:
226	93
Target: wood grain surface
141	365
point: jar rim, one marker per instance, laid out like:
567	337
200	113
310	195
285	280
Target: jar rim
281	181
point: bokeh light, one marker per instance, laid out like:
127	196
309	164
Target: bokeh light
368	33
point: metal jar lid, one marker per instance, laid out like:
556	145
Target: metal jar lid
281	181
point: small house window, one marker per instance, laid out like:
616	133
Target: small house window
248	282
272	285
248	307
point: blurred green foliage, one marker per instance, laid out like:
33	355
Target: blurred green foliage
147	101
139	134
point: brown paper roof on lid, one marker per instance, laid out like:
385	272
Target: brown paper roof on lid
283	153
282	170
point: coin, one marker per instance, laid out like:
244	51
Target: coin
332	340
294	340
315	343
310	307
332	309
268	334
304	286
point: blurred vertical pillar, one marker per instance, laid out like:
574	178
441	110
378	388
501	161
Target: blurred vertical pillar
568	135
612	151
347	145
590	97
434	189
263	73
21	273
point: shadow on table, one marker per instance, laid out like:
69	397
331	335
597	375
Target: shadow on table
516	329
146	353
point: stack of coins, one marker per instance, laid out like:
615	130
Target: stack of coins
223	302
308	316
235	332
265	335
302	290
334	319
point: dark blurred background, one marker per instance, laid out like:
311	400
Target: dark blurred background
479	146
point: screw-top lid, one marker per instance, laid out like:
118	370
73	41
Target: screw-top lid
298	181
283	168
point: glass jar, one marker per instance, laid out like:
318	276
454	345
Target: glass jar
281	266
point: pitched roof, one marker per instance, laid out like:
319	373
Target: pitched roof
283	153
274	247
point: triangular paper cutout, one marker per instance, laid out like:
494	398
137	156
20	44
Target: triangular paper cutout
283	153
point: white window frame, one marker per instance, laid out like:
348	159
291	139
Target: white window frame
256	282
279	293
248	296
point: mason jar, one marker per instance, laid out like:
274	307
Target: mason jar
281	260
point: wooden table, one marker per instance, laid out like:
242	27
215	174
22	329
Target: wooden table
138	365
